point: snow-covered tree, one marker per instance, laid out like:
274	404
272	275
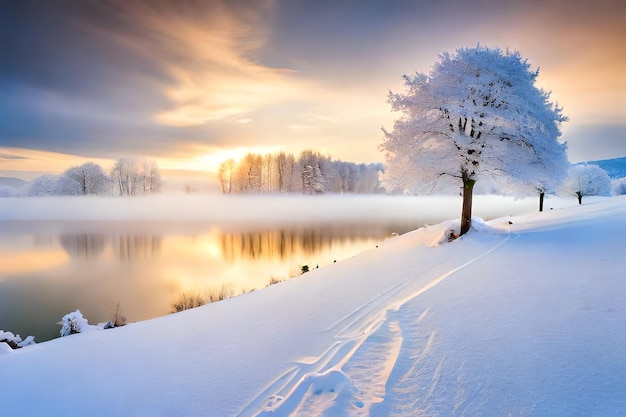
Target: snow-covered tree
310	173
133	176
225	175
150	176
584	180
46	184
125	175
618	186
8	191
284	171
247	174
88	178
314	172
476	115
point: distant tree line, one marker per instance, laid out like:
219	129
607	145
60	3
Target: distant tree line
309	173
129	176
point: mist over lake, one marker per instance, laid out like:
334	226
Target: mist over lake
136	254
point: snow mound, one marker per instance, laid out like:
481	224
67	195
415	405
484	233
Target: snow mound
9	336
74	322
4	348
448	231
15	340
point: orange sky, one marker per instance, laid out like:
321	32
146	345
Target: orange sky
192	84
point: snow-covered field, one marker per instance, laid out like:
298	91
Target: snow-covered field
521	319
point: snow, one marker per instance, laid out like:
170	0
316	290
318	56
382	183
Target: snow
7	338
74	322
524	315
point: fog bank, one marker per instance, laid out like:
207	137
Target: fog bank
275	209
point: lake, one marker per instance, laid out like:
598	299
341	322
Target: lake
48	269
136	256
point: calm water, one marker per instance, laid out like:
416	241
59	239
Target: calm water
48	269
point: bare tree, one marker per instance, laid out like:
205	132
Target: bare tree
225	175
132	175
151	177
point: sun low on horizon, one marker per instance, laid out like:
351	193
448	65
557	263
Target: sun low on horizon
209	161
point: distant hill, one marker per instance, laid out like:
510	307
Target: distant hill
13	182
616	167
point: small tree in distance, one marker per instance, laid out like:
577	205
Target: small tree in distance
88	178
583	180
476	115
132	176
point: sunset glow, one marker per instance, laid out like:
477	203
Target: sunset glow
27	163
193	84
210	160
20	262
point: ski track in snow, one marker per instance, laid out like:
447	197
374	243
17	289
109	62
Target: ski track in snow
373	344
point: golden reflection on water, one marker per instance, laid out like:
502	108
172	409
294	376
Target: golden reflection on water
55	269
25	261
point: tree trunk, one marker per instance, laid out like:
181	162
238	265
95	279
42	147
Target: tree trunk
466	212
541	195
580	197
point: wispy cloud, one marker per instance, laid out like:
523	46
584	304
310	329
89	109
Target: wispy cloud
10	156
169	78
208	54
15	159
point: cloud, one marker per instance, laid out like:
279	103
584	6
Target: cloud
595	141
107	79
207	54
17	159
134	75
10	156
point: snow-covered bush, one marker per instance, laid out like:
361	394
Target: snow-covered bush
88	178
74	322
14	340
618	186
7	191
43	185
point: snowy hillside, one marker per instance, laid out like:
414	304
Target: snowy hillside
12	182
522	316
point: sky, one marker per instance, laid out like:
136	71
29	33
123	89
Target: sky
192	83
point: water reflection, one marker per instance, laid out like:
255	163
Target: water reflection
50	269
124	247
285	243
83	246
134	247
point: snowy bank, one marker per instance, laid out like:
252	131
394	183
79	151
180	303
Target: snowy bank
523	316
